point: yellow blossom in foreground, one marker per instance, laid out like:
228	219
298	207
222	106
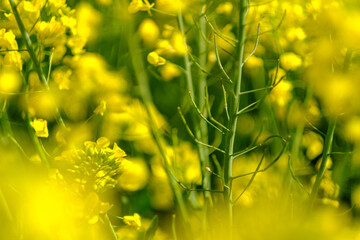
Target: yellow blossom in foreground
133	221
154	59
140	5
40	127
290	61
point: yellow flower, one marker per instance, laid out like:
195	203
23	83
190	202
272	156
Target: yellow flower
50	32
169	71
10	81
40	127
101	108
154	59
290	61
7	39
178	43
224	8
13	59
133	221
77	44
149	31
135	175
139	5
62	77
281	94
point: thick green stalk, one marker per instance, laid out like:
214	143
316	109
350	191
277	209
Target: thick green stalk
325	156
30	49
201	129
234	104
143	83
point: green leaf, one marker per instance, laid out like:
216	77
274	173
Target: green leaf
150	232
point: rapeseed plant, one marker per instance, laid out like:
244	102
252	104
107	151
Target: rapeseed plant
159	119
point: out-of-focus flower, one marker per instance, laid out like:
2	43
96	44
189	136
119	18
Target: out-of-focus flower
178	43
10	81
140	5
169	71
135	175
101	108
40	127
156	60
296	33
61	76
77	44
13	59
88	19
133	221
290	61
149	31
313	143
224	8
171	6
104	2
281	94
352	129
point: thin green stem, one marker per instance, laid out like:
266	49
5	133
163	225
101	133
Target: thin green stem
110	227
325	156
186	56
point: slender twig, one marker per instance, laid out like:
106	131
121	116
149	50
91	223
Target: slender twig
202	116
315	128
251	179
226	39
248	107
192	134
256	90
186	55
197	64
273	29
162	12
110	227
219	61
326	152
209	110
256	45
18	146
